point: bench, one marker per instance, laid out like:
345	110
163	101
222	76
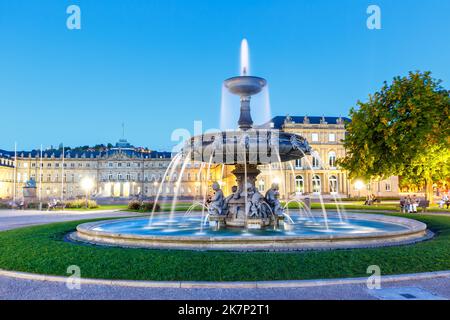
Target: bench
58	205
423	204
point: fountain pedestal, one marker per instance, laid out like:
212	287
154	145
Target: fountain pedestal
239	207
242	171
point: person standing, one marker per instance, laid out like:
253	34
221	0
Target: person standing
408	203
414	203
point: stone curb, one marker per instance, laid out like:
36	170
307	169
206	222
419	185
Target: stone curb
225	285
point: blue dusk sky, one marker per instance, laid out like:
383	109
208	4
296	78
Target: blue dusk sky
158	65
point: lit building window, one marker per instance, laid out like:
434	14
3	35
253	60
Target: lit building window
316	184
299	185
332	159
333	184
332	137
315	161
261	186
388	187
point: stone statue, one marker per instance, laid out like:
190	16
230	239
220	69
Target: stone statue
256	204
234	195
217	201
288	119
272	198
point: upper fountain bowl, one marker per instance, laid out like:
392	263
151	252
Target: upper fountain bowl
245	85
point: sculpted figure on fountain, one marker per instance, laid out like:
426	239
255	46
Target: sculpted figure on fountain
272	198
217	201
257	200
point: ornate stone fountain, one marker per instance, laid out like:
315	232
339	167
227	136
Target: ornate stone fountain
246	148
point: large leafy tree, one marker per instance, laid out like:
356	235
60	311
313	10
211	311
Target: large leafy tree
404	129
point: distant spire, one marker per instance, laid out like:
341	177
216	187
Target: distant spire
123	130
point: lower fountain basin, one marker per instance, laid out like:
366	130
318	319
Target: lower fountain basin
190	233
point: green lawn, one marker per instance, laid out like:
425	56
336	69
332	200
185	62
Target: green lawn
41	249
358	205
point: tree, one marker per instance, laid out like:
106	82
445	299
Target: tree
404	129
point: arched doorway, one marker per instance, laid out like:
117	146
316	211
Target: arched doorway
333	184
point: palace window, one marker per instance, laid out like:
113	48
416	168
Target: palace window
314	137
333	182
332	159
299	185
315	161
331	137
388	187
298	164
316	184
261	186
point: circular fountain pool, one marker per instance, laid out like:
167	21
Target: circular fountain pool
313	232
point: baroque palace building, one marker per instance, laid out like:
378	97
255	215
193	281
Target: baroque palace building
124	171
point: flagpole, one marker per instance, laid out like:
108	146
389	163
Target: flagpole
15	172
62	177
40	176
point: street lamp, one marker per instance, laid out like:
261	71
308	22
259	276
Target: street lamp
87	184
